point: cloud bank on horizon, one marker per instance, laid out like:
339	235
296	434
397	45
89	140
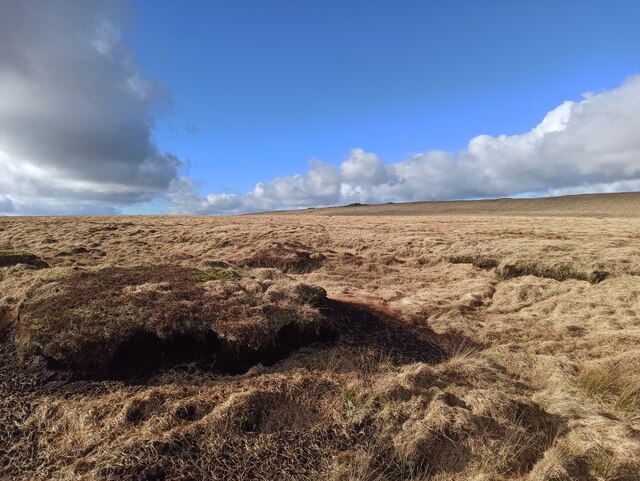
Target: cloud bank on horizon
588	146
76	122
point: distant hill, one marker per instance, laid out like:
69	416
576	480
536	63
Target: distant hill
625	204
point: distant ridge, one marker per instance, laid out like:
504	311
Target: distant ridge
625	204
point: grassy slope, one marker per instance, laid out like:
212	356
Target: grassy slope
587	205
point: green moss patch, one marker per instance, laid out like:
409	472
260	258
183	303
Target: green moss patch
217	275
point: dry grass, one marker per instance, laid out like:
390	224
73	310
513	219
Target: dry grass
484	348
616	384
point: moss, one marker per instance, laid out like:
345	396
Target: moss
56	275
217	275
13	253
355	407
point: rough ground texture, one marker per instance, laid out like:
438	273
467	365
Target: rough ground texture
314	347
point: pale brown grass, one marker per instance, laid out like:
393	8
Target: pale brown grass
541	380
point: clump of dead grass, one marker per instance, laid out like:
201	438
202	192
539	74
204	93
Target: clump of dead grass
423	425
616	384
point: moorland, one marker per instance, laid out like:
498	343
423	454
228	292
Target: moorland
484	340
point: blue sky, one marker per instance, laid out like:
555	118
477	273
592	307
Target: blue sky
258	88
222	107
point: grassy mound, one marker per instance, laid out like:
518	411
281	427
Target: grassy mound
10	257
121	321
288	258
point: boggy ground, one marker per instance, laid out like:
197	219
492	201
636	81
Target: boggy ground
316	347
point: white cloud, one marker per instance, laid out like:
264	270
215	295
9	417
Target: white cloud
365	168
75	113
318	186
588	146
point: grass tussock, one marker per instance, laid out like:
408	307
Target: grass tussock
616	384
286	257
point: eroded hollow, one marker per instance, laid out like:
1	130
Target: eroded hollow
508	270
351	325
145	354
126	323
12	257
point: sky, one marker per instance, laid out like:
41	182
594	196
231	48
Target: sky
223	107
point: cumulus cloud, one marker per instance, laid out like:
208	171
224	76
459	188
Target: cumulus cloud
75	113
587	146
